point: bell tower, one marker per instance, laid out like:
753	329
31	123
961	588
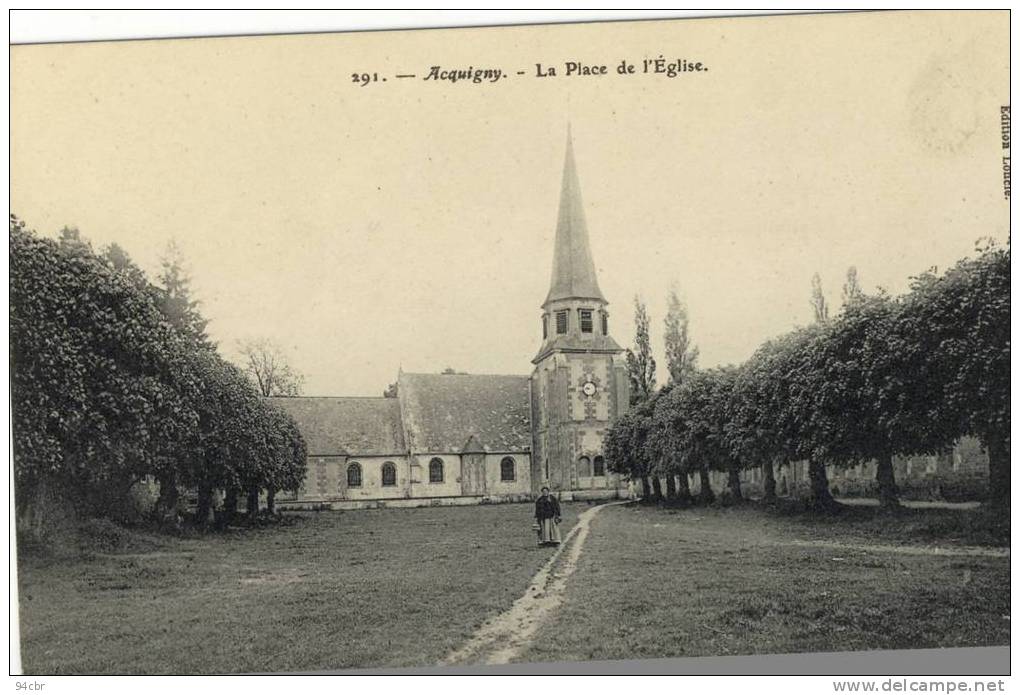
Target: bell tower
579	382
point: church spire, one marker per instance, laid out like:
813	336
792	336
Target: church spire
573	271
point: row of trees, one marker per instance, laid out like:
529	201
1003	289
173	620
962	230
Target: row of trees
889	376
113	380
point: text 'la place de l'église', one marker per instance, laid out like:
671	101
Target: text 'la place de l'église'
651	66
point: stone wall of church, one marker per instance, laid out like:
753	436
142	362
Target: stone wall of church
496	486
372	486
320	478
449	486
327	479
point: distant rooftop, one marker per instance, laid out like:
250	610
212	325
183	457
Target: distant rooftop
442	412
347	426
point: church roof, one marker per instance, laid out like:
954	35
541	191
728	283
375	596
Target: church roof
347	426
573	271
466	412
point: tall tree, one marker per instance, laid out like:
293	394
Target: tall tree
166	473
105	391
640	362
625	446
788	385
854	410
662	448
681	355
819	306
180	308
852	291
752	435
100	381
269	369
956	329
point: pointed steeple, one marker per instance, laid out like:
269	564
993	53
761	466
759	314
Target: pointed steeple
573	271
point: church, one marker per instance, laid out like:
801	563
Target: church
483	438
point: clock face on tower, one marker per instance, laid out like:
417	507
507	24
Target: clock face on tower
588	388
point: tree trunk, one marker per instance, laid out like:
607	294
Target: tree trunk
656	488
705	495
888	493
683	493
166	504
646	488
734	484
271	501
998	473
253	505
230	506
768	481
205	498
671	487
820	496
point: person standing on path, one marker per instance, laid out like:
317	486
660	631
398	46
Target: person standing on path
547	516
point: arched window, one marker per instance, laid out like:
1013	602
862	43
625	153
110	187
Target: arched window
389	474
507	470
600	466
354	474
436	470
584	467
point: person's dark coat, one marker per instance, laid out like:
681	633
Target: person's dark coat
547	508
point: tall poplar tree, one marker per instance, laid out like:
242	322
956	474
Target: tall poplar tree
681	355
819	306
640	363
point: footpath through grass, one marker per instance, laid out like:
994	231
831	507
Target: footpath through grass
392	587
743	580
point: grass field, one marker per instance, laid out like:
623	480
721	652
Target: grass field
406	587
397	587
742	580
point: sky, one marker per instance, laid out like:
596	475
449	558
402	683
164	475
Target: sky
409	223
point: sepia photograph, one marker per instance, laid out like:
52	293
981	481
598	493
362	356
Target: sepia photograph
671	345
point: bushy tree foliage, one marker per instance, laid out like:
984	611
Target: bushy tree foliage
107	388
662	446
625	446
955	328
886	377
100	381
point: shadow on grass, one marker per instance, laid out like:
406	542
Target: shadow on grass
87	538
984	525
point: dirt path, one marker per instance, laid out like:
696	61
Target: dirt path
500	639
